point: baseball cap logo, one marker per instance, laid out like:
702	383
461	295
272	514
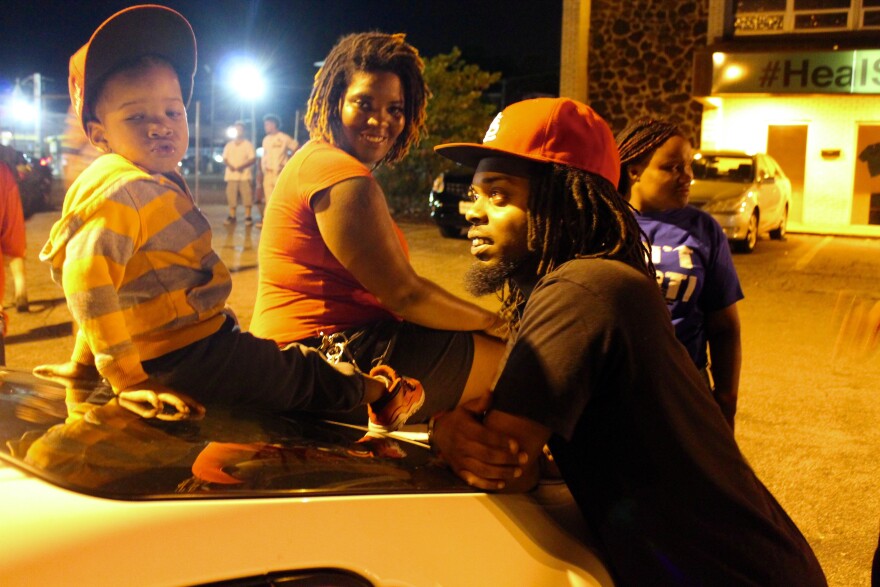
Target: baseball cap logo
492	133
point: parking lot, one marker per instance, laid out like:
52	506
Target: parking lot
808	412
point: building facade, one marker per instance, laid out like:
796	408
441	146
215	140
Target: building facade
641	60
798	79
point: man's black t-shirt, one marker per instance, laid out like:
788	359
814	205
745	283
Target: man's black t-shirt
639	440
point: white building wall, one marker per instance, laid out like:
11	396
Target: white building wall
741	123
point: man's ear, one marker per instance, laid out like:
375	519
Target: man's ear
96	133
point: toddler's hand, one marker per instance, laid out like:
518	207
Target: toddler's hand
67	372
151	400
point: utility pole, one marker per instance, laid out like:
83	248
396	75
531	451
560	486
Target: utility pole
38	109
574	58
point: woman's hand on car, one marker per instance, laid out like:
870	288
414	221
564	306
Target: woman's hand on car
499	328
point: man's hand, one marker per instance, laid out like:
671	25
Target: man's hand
149	399
483	458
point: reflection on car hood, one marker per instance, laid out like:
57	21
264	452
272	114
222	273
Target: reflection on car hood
705	190
82	439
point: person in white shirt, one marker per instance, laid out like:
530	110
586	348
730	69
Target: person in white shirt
278	148
239	157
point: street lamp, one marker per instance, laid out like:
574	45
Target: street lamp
246	80
27	111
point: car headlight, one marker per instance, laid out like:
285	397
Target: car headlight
735	205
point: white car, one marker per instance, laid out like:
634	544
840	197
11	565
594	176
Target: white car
94	494
747	194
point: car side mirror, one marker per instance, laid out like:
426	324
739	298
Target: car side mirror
768	179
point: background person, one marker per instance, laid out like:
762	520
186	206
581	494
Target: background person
331	258
12	239
595	369
689	250
13	233
239	157
278	147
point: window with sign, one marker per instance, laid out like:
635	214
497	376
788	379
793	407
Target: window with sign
753	17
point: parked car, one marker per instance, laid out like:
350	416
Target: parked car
747	194
34	179
449	202
95	494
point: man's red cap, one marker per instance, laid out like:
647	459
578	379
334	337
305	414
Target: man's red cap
147	29
551	130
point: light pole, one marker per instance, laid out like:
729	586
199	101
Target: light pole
26	111
246	79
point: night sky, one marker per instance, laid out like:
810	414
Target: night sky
521	40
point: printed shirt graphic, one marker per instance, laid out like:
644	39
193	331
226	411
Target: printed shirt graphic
871	156
695	271
276	151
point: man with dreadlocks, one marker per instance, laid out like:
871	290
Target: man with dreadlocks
334	266
595	372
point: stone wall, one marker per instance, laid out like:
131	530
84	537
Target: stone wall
641	60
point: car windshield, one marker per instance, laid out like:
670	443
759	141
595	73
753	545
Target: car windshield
732	168
84	440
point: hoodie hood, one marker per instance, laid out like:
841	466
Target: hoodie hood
95	185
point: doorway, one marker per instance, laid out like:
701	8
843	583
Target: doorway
788	145
866	187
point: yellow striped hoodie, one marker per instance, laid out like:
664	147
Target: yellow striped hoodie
133	254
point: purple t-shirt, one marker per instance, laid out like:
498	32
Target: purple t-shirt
694	270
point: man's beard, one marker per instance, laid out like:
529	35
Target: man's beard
482	279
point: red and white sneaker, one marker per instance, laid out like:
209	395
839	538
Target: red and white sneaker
405	396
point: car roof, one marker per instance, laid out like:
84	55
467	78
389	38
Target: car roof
82	439
724	153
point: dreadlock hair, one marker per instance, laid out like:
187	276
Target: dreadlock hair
369	52
637	143
576	214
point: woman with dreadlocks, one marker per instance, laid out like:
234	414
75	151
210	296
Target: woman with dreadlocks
334	266
689	251
595	372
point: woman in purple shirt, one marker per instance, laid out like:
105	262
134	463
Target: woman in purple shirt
690	252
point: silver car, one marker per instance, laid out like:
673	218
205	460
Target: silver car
747	194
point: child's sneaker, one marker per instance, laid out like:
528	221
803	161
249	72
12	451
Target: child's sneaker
230	220
248	221
405	396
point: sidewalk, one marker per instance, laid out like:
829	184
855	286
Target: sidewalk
852	230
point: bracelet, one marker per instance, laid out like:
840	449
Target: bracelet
431	426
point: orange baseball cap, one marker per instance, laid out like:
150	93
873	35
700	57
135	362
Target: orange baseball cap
147	29
550	130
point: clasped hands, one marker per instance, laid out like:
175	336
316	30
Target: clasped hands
482	457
